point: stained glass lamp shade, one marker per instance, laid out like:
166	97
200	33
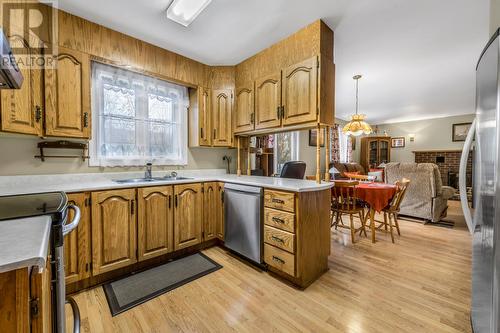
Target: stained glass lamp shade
357	125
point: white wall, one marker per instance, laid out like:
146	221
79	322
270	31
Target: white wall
494	15
430	134
17	151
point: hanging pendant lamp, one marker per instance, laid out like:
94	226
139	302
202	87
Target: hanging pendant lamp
357	125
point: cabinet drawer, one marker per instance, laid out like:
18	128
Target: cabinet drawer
279	219
282	239
279	200
279	259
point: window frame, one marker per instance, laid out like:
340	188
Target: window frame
140	117
295	149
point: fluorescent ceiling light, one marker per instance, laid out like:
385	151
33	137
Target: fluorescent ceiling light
185	11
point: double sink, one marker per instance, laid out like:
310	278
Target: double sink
149	179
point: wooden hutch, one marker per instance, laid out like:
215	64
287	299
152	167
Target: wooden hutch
375	150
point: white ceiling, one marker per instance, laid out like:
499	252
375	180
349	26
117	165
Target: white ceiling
417	58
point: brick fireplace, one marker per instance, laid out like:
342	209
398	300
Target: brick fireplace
448	162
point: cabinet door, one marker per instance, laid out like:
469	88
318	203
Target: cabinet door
67	95
210	206
77	249
204	120
268	101
221	115
113	230
373	149
188	215
22	109
244	109
155	221
300	92
384	151
220	212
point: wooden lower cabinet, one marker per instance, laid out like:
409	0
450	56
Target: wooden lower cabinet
21	293
219	227
210	206
77	244
297	234
188	215
155	224
114	226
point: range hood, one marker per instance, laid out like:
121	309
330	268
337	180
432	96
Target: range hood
10	75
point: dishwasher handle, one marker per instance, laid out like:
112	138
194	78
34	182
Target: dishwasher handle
243	188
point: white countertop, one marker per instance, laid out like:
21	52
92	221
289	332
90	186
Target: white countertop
12	185
24	243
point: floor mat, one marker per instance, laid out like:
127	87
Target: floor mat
138	288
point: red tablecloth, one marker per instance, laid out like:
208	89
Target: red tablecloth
377	195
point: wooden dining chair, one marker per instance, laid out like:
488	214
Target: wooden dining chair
345	202
392	210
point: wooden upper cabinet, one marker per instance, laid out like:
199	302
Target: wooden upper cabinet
210	206
205	121
188	215
155	221
244	115
219	227
268	101
113	230
22	109
300	92
221	117
67	95
77	250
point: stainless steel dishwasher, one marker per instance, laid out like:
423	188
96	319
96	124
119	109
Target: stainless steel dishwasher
243	220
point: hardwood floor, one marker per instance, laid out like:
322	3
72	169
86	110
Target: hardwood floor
419	284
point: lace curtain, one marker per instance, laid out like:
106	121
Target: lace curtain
335	143
340	145
137	119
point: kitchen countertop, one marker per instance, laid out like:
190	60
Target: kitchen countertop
12	185
24	243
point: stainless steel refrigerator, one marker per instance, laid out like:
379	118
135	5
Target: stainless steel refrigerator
484	219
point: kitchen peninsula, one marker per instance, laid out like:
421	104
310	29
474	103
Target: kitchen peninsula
296	221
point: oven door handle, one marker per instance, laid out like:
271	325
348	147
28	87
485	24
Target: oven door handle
76	314
67	228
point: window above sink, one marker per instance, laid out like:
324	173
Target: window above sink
137	119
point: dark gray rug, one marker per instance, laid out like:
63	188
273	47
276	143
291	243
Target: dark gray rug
138	288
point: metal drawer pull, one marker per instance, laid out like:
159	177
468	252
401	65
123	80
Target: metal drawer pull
277	239
281	261
38	114
278	201
278	220
85	119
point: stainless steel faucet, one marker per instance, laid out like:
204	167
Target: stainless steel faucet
149	172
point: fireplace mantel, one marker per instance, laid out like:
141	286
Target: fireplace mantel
437	151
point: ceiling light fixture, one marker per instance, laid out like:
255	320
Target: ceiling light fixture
357	125
185	11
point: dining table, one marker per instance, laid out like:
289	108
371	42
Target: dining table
378	196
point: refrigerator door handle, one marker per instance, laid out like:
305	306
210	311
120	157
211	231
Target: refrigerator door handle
462	176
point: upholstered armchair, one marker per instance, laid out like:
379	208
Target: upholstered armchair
426	196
